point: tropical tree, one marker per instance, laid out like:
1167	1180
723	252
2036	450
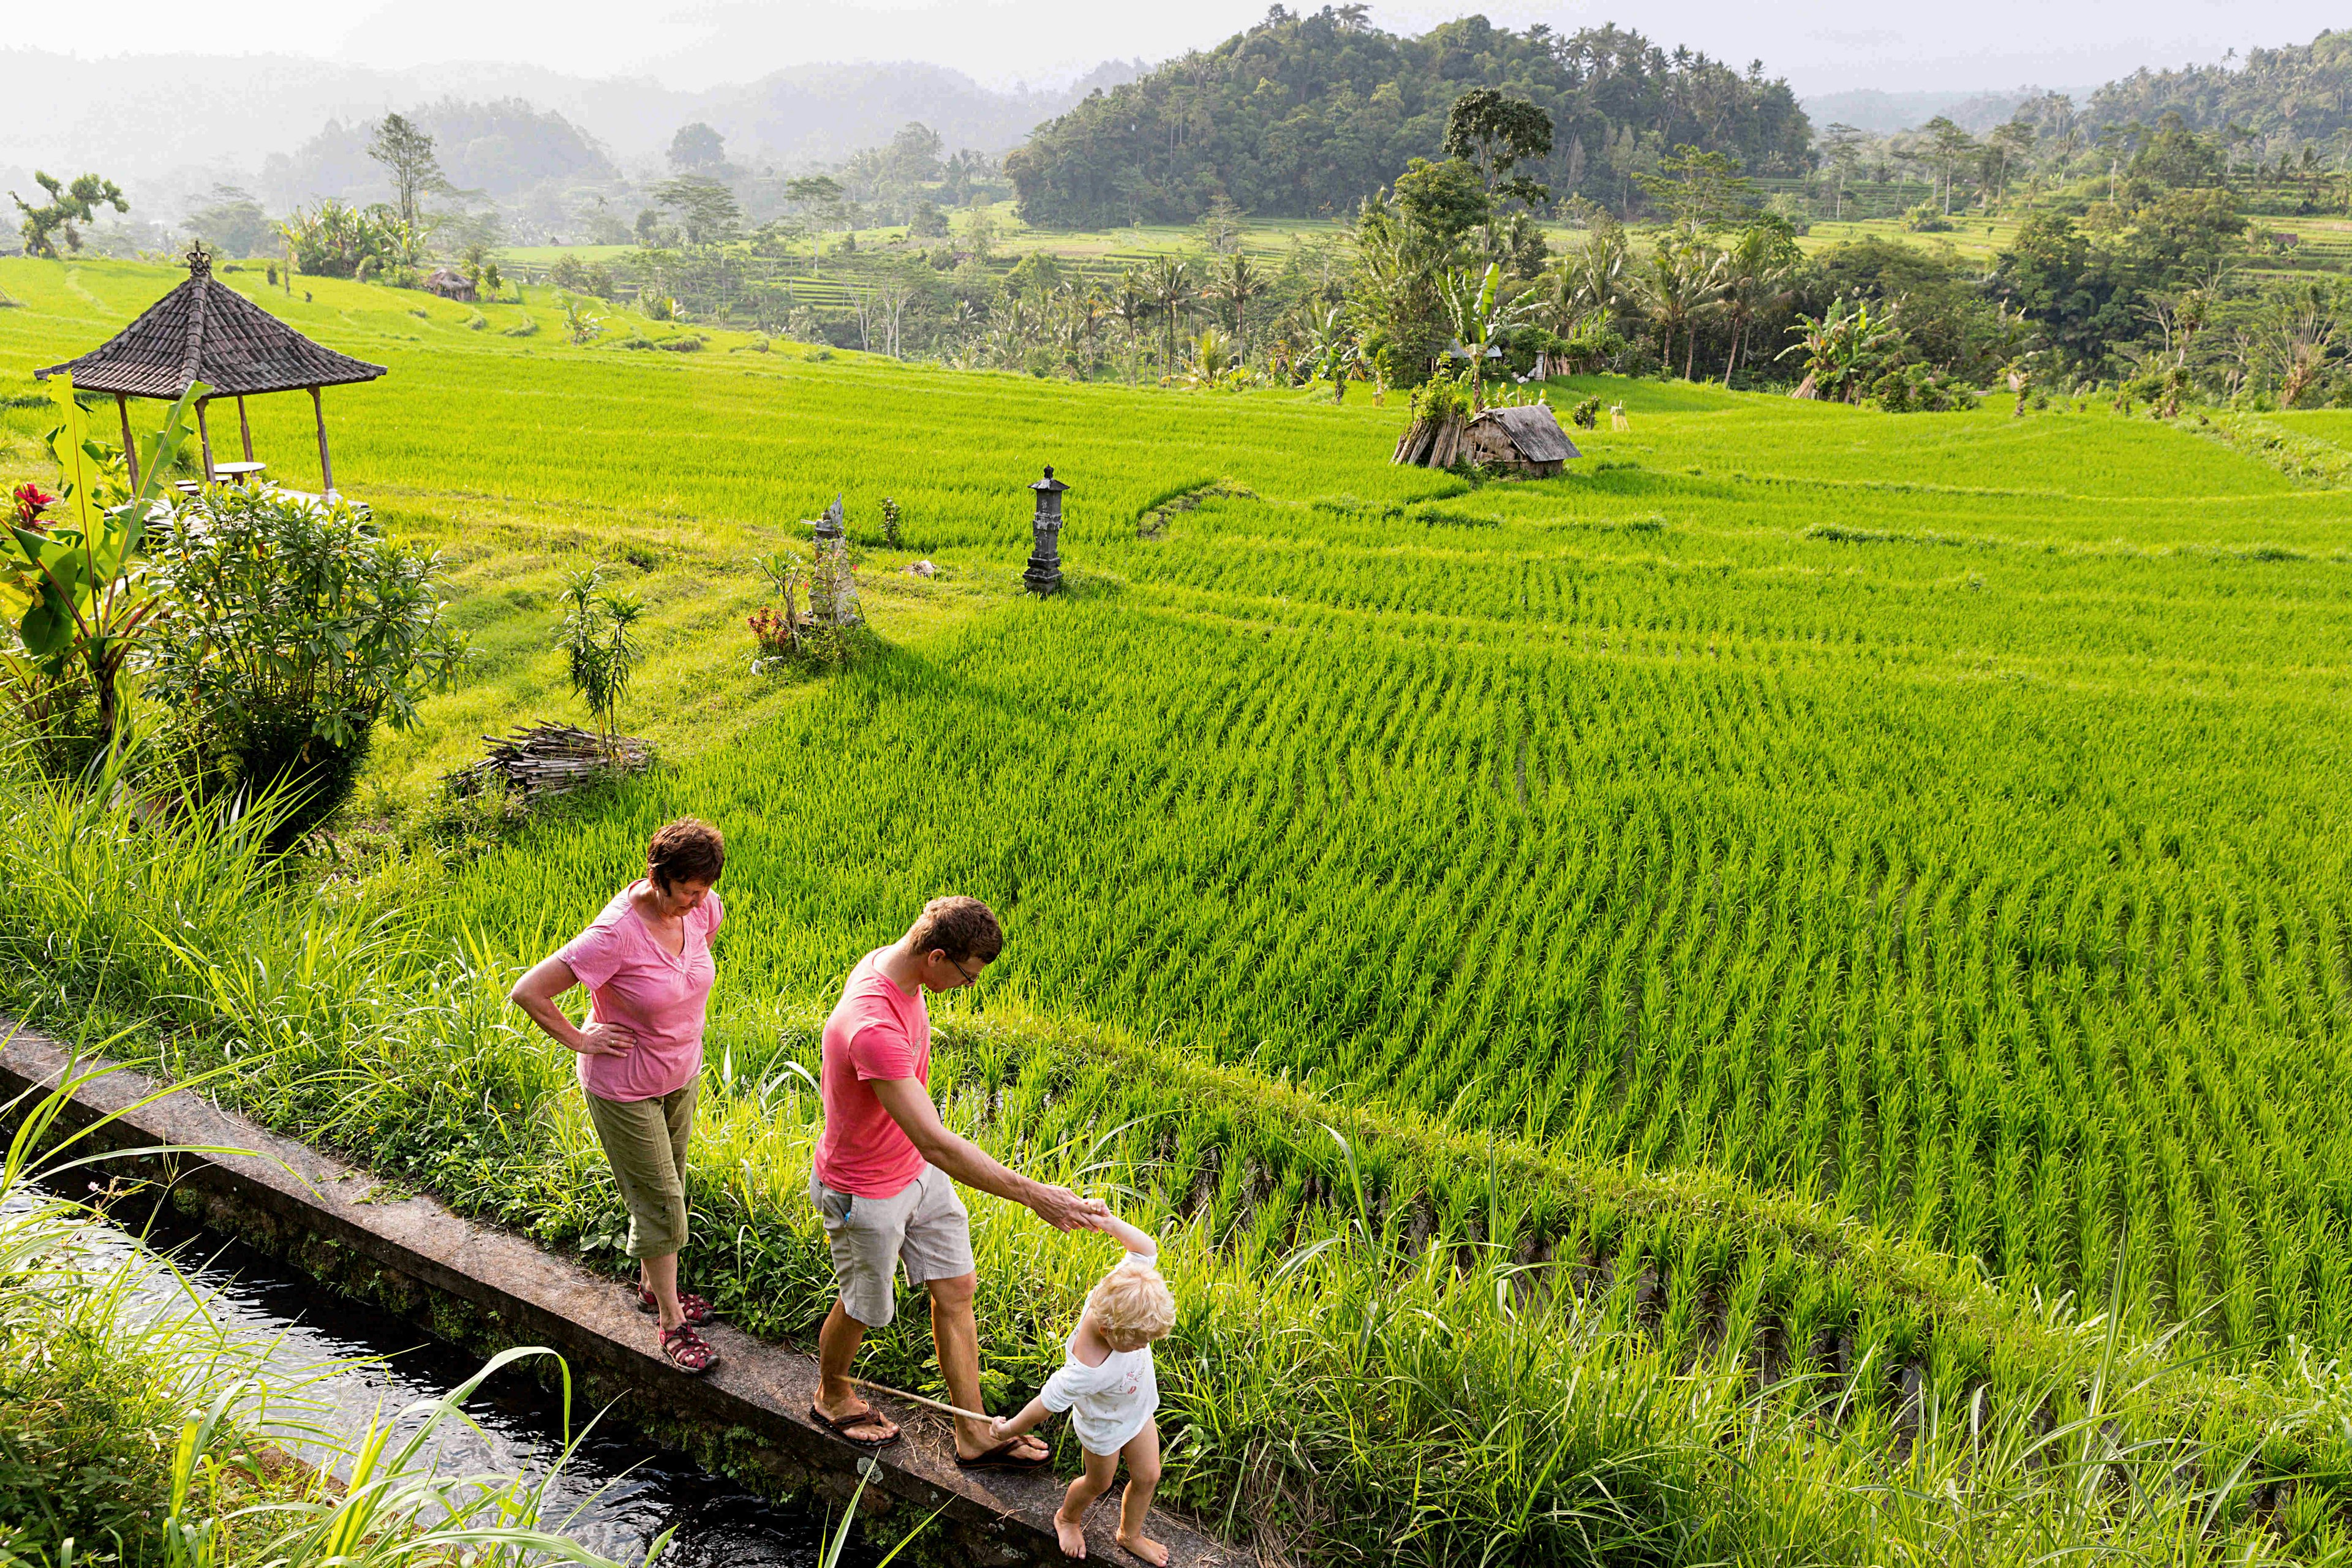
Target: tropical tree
599	641
1841	147
406	152
1332	351
1173	291
1131	306
1948	147
2295	332
1232	286
1480	312
1704	190
1681	279
339	241
1843	349
1583	286
706	210
1756	269
69	205
1493	133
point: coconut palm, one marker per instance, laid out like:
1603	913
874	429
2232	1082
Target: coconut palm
1332	350
1130	306
1584	285
1756	269
1173	291
1680	280
1232	287
1214	355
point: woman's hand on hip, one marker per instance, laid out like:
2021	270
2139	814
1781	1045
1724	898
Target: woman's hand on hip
598	1038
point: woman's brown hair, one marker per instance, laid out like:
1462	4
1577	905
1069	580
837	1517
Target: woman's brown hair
686	850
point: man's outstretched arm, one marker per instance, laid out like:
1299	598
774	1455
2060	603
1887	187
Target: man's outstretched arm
909	1105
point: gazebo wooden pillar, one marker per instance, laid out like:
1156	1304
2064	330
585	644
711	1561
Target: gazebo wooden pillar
205	332
326	463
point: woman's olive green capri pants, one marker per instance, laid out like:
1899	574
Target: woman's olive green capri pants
645	1143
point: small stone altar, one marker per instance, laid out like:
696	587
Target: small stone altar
1045	573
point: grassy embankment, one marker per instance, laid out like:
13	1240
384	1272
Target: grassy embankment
1801	845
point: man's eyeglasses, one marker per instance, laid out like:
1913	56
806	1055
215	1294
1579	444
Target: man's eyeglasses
970	976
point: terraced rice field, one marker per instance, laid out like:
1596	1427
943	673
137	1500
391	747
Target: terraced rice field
1936	824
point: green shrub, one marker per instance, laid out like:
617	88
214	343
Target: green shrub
295	628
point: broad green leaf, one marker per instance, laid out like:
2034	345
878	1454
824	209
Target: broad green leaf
157	451
44	629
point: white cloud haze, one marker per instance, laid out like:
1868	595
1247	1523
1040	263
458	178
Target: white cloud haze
1819	47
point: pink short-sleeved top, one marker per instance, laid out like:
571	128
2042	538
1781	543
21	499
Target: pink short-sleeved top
876	1031
657	996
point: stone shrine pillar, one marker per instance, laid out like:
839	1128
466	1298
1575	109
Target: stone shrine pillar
1045	573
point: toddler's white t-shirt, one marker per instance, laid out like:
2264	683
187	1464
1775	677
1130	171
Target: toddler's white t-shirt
1108	1403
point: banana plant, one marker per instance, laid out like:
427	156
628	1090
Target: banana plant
1479	315
81	597
1333	352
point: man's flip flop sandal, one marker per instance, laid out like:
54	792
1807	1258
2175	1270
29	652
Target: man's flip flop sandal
694	1309
841	1428
1001	1457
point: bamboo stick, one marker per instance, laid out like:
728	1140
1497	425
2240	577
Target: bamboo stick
926	1404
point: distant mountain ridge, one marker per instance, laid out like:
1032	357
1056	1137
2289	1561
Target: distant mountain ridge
144	118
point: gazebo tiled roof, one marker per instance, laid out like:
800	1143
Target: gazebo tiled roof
205	331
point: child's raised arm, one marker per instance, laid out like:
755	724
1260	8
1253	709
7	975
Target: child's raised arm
1127	1235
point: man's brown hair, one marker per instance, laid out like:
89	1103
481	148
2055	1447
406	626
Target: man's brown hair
686	850
959	927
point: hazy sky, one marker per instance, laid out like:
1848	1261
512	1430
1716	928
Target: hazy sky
1820	45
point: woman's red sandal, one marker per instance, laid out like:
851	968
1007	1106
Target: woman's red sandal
693	1308
687	1350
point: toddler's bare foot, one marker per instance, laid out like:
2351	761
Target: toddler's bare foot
1143	1546
1072	1534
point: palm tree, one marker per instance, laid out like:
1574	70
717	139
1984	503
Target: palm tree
1091	313
1131	306
1586	282
1233	286
1680	280
1169	286
1754	269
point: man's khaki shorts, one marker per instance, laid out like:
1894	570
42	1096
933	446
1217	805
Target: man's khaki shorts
922	1226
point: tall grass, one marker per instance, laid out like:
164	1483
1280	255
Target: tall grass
1428	1346
138	1429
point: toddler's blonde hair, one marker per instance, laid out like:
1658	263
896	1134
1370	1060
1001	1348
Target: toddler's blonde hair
1133	1304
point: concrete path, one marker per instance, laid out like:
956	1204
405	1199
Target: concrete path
488	1290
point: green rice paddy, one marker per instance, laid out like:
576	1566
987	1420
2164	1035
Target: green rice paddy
1793	823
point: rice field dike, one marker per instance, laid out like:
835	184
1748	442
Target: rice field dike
1783	996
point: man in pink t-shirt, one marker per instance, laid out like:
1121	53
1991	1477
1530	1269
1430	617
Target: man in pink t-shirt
885	1172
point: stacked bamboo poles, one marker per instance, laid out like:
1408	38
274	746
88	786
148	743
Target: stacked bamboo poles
1430	443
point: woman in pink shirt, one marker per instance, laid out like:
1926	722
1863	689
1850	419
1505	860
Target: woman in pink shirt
647	962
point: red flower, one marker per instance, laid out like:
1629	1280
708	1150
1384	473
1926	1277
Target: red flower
31	498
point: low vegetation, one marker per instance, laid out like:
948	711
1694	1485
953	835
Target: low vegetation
139	1431
1776	997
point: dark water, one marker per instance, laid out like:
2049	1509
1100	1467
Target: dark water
614	1495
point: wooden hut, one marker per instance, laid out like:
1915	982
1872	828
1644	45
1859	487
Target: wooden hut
1526	440
205	331
450	284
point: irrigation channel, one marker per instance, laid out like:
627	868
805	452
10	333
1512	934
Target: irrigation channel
352	1363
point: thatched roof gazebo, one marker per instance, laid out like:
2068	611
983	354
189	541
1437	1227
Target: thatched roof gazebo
205	331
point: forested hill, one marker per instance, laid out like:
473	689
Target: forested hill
1305	115
2302	92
